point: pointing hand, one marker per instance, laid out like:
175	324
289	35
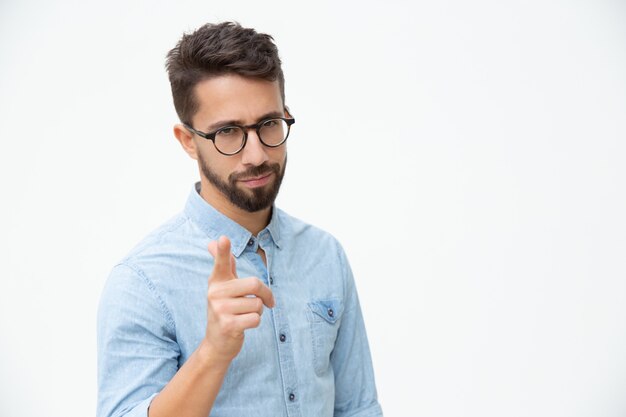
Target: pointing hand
234	304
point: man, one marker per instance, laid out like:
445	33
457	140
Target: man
276	329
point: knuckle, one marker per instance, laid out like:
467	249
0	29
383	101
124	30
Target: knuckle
255	320
258	304
218	307
228	324
212	294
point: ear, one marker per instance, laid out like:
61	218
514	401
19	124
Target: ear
185	138
287	113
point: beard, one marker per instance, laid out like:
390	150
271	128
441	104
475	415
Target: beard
250	200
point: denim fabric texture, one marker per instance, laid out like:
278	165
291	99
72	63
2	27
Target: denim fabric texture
309	357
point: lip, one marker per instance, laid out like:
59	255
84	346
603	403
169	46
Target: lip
257	181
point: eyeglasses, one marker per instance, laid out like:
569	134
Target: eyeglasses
229	140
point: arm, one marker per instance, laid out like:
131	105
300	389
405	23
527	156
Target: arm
355	389
193	389
137	349
149	364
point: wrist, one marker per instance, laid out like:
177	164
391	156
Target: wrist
211	358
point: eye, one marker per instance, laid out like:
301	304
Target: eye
228	131
270	123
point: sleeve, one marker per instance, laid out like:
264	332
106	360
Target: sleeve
137	349
355	388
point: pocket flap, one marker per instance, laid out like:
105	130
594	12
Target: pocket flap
329	310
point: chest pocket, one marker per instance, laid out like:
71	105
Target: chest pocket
324	319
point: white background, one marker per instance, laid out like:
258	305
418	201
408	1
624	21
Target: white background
468	155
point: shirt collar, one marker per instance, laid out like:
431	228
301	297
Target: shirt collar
216	224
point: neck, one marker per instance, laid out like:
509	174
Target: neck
253	222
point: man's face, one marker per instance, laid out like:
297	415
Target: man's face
250	179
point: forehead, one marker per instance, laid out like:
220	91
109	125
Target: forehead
233	97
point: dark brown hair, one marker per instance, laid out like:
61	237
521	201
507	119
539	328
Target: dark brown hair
219	49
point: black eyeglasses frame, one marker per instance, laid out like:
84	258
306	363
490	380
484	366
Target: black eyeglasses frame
256	126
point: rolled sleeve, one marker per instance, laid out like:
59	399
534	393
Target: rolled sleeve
355	388
137	349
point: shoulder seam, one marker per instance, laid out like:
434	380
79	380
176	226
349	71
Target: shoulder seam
152	287
182	218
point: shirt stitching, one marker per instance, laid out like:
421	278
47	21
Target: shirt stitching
154	291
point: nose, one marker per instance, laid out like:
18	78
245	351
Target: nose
254	153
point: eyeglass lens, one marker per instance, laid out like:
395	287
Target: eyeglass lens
272	133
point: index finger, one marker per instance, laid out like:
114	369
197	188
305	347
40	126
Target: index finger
223	267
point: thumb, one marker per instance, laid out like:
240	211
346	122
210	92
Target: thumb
223	267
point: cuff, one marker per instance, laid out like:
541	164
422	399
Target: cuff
372	410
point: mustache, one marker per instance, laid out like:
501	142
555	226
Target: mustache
257	171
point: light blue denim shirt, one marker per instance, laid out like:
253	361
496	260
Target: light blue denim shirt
309	357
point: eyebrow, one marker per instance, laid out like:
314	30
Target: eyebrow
224	123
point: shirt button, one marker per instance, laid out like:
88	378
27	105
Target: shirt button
271	280
251	242
282	337
292	397
331	313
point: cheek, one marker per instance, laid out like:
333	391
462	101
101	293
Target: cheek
219	164
224	168
278	154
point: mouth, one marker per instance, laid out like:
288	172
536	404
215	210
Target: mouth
257	181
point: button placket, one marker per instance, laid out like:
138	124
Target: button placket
286	360
280	323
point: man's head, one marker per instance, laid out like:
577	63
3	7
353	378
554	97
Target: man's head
219	49
223	75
